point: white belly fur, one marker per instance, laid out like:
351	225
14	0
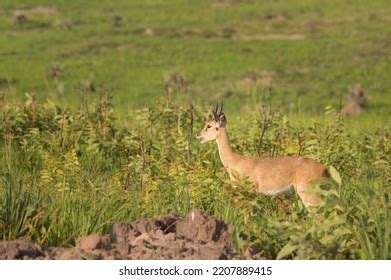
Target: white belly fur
278	191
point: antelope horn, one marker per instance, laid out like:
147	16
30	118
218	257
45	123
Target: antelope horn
221	108
215	112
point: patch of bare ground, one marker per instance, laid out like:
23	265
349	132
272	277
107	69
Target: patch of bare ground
94	48
181	32
219	4
39	10
270	37
21	16
197	236
222	33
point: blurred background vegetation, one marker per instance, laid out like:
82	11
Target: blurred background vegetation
309	53
100	103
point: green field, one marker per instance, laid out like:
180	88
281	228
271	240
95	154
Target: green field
309	52
73	159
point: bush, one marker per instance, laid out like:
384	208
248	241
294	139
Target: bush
65	174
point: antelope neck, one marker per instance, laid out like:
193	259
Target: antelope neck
225	151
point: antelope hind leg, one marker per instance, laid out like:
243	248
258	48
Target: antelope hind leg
308	199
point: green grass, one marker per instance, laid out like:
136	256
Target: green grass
74	160
66	174
339	44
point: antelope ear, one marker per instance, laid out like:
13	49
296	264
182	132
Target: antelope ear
222	120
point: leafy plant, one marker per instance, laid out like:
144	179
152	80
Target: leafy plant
66	174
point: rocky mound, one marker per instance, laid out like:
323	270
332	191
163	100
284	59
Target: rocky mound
197	236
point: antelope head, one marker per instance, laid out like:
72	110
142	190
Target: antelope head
213	126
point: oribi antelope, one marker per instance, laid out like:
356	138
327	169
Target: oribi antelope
270	175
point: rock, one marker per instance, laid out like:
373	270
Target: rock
92	242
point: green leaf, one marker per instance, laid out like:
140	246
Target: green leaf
338	232
327	240
286	250
238	241
335	175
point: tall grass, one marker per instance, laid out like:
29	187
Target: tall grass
66	174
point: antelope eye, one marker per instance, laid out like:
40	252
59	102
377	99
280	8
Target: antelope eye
208	126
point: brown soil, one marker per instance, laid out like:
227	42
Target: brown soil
197	236
37	11
272	37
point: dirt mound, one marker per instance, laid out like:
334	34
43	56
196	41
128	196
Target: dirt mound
197	236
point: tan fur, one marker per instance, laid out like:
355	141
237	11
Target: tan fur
269	176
